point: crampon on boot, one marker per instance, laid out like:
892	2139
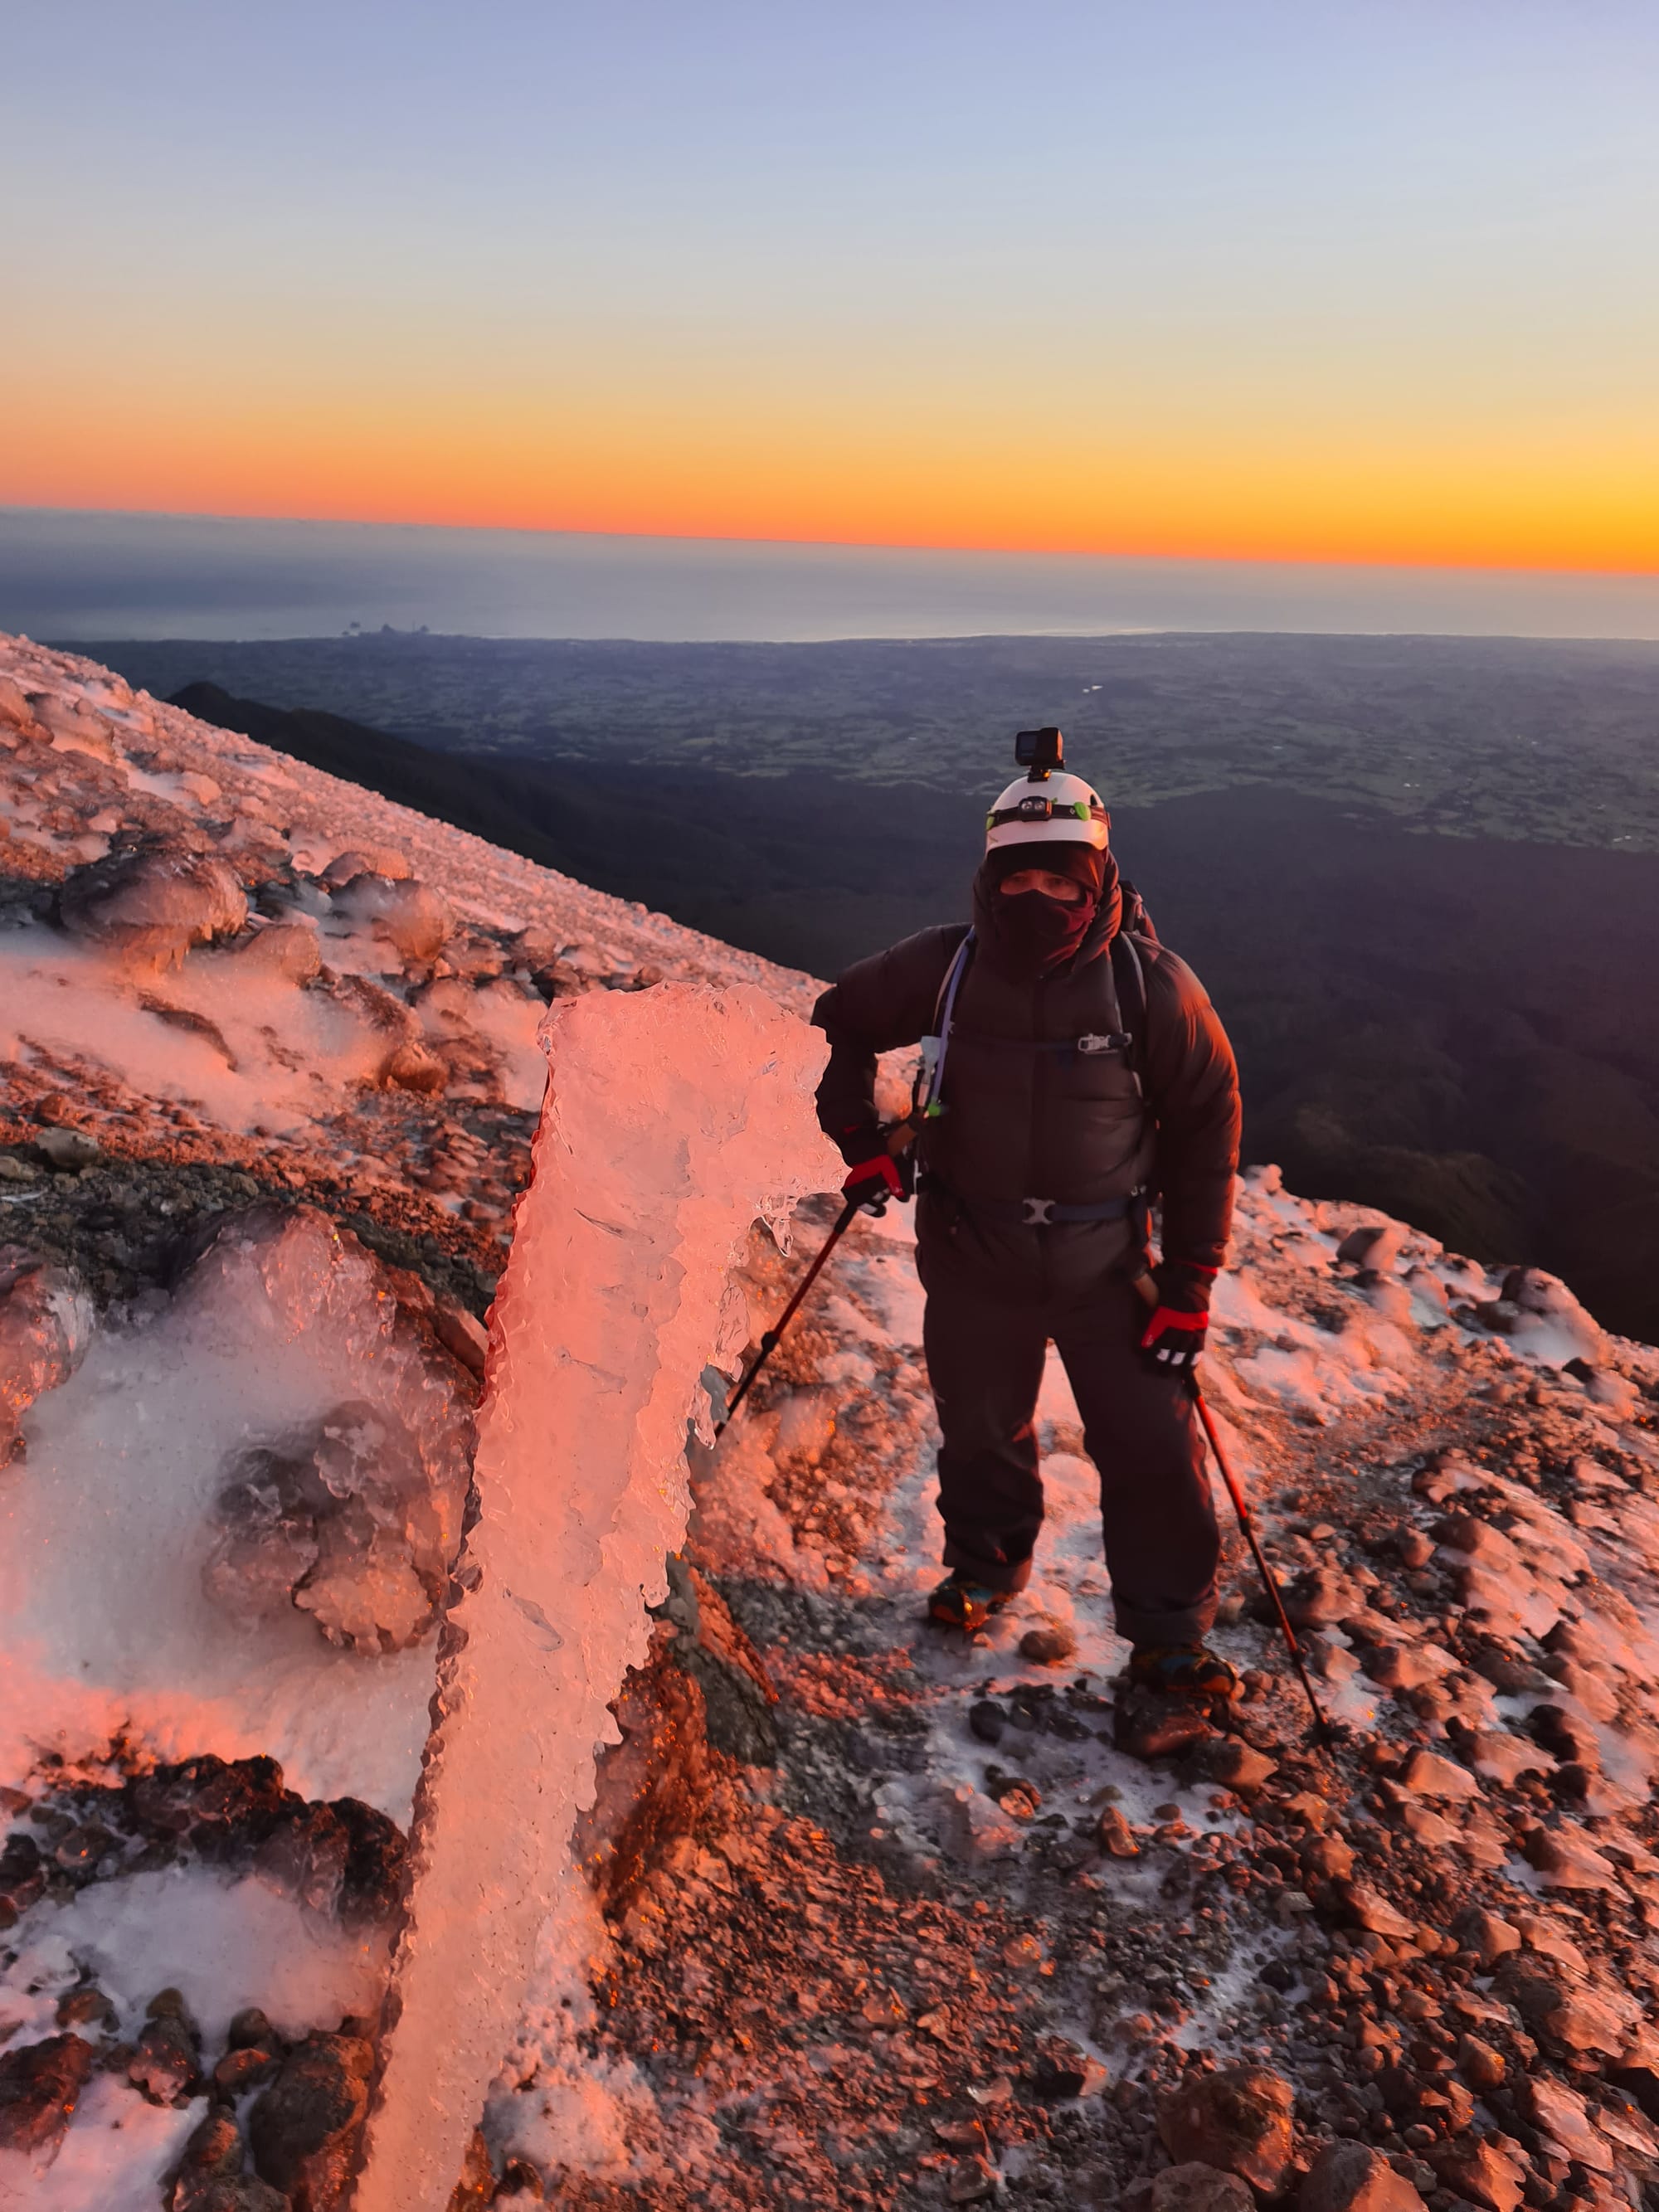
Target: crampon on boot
1182	1670
960	1603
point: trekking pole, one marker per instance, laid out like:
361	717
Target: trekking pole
1321	1728
768	1343
899	1138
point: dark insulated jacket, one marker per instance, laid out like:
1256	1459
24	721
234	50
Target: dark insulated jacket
1022	1121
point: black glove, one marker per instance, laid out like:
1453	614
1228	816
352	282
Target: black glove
1178	1328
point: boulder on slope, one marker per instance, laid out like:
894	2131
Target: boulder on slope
150	904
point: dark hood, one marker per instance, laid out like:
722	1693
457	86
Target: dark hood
1095	869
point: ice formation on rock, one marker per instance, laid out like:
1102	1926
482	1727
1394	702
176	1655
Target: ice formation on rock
151	905
355	1516
135	1595
45	1322
410	917
339	1518
673	1119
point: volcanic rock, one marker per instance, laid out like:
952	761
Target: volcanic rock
306	1854
1326	1858
228	2193
302	2129
1368	1908
1560	2114
151	905
1050	1646
1486	1934
214	2153
476	2185
22	1878
1554	2006
654	1784
1377	1245
382	860
1351	2177
163	2067
1115	1834
39	2086
1426	1774
1567	1860
1232	1764
1481	2066
986	1719
1484	2171
1238	2120
1061	2071
1399	1666
339	1519
1497	1756
737	1691
972	2180
1321	1597
1197	2188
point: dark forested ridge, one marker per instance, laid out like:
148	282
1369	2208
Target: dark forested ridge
1461	1029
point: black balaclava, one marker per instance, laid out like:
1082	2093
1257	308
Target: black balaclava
1029	935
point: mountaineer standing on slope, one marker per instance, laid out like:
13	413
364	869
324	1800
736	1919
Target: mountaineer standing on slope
1073	1070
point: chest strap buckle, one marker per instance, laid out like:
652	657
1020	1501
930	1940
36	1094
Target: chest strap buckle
1038	1213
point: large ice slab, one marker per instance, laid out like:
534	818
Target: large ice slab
674	1117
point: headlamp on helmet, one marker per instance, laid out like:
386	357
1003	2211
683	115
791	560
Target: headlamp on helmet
1050	806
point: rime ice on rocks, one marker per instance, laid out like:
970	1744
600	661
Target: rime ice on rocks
150	906
341	1519
45	1322
276	1450
673	1119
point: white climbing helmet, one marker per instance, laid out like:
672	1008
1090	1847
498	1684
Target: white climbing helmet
1061	808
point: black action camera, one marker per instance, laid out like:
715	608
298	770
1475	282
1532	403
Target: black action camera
1041	751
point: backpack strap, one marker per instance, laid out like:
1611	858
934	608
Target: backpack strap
1129	981
1134	918
930	1076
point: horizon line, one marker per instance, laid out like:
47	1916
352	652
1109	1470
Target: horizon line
1196	559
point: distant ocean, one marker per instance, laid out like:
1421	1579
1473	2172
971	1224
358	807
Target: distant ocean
64	576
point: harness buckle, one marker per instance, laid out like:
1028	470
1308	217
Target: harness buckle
1038	1213
1093	1044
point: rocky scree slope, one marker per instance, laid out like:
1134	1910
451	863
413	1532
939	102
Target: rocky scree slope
888	1920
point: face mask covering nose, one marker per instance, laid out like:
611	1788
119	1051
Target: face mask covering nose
1030	932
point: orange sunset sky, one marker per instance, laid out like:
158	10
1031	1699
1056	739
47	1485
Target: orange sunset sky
1374	283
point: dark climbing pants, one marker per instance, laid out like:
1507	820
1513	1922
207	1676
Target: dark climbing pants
985	1360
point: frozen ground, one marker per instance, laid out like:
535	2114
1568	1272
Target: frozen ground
1500	1685
869	1918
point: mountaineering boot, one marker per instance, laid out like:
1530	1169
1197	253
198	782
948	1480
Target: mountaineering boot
1182	1670
959	1603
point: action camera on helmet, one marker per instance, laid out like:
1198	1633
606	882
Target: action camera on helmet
1041	751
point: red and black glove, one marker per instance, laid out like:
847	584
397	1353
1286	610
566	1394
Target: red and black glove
874	1175
1179	1326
